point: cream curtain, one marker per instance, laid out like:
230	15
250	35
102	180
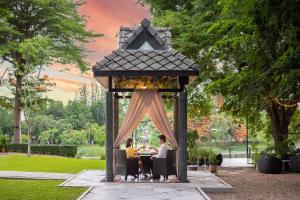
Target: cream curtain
143	102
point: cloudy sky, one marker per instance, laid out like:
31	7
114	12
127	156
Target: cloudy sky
103	16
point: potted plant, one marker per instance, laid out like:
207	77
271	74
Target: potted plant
203	155
3	144
269	162
213	163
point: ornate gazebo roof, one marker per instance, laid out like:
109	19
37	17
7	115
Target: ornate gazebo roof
144	51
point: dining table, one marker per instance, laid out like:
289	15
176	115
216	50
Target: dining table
145	158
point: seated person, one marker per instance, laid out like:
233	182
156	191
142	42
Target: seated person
159	153
134	153
163	150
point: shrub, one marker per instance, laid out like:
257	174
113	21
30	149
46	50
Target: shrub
73	137
212	159
60	150
91	151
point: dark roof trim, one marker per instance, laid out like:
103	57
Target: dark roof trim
145	25
145	73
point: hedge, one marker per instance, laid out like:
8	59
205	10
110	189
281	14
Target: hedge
60	150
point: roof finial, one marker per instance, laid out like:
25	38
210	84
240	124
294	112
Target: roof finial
145	23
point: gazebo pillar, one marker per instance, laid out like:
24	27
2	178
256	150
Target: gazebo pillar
175	110
109	137
182	136
116	117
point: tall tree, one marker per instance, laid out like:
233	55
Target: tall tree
247	50
57	21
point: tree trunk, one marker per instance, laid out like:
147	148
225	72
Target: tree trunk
280	119
17	111
29	140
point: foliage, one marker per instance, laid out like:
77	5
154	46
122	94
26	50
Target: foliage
37	33
96	134
97	109
78	114
43	163
49	120
192	147
256	154
248	51
61	150
3	141
92	151
37	189
6	121
212	159
73	137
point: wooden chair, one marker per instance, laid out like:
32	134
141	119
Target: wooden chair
126	166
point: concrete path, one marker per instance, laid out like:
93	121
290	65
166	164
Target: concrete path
204	180
144	191
35	175
200	182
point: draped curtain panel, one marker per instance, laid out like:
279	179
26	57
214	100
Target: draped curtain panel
143	102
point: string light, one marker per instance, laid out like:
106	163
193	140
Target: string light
285	105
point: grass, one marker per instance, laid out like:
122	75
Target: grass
37	190
43	163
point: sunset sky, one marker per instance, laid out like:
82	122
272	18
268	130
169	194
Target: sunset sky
103	16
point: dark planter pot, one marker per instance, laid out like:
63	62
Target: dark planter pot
295	163
219	159
286	165
269	164
201	161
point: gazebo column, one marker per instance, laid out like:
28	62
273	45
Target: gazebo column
182	136
175	110
109	136
116	117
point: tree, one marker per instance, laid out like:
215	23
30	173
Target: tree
73	137
54	108
98	111
6	122
58	22
247	50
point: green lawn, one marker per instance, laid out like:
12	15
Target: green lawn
43	163
37	190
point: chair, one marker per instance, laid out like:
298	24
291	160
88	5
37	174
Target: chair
165	166
126	166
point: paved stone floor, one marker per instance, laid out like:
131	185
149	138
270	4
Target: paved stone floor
200	182
35	175
145	191
202	179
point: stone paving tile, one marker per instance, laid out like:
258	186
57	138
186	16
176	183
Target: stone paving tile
208	182
198	179
35	175
86	178
147	191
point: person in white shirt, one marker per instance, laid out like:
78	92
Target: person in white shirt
162	151
159	153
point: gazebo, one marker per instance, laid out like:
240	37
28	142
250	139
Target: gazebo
145	61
